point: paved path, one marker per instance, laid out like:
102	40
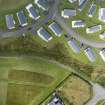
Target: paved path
98	94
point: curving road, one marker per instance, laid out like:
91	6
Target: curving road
53	13
77	36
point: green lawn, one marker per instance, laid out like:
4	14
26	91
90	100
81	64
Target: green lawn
34	78
7	5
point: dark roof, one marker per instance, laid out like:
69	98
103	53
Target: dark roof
56	101
10	21
103	14
80	8
79	23
33	12
75	47
22	18
92	10
44	3
90	54
69	12
56	29
45	33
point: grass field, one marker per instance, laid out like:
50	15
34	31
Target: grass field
8	5
27	76
28	80
75	91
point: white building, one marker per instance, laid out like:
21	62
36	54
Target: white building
10	22
74	46
56	29
33	13
102	54
90	54
93	29
22	18
82	4
102	14
44	34
92	10
78	24
102	36
66	13
56	101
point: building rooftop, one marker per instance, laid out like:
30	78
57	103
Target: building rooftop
22	18
102	35
43	4
72	1
78	24
33	13
66	13
102	54
56	29
44	34
82	4
90	54
10	21
74	46
56	101
93	29
102	14
92	10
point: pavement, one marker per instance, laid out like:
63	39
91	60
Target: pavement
98	94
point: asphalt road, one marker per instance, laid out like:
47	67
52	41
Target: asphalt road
77	36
